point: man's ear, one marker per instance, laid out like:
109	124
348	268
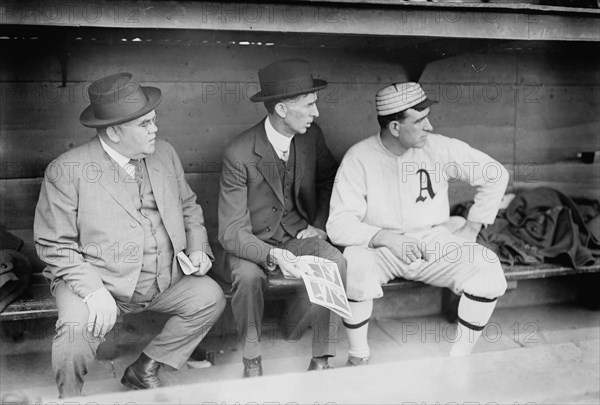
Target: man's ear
393	127
281	110
114	133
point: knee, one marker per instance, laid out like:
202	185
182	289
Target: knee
219	302
71	324
357	258
488	281
216	304
501	285
75	338
248	276
495	273
339	259
211	295
204	301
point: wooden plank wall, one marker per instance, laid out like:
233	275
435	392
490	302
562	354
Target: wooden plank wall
534	112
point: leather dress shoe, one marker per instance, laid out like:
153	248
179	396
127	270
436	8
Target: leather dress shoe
319	363
357	361
142	374
252	367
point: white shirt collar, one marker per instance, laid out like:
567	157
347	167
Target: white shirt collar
280	142
121	160
387	151
382	146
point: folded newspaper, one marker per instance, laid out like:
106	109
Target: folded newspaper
324	284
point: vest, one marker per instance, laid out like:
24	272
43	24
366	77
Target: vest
157	250
291	222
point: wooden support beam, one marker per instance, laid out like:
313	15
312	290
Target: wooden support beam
367	18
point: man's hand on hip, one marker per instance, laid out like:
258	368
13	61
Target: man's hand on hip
405	248
311	232
200	260
287	262
103	312
469	231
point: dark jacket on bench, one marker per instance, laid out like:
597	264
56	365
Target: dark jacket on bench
541	225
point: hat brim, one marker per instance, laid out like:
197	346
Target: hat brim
88	119
423	105
318	84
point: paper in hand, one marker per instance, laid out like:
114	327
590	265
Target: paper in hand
324	284
186	264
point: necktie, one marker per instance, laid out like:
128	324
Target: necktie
138	172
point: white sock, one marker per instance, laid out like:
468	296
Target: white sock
357	337
474	312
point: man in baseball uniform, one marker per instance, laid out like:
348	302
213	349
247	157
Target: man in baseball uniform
390	208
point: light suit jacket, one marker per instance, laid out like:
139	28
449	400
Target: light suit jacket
87	229
251	195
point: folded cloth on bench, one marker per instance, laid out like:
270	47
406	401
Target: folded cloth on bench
542	225
15	273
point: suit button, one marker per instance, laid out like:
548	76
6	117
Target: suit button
133	224
284	212
274	209
129	278
268	229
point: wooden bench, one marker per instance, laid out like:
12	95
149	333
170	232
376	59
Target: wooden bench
37	302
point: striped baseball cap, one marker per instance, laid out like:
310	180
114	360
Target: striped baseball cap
401	96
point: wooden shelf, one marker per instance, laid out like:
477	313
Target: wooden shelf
378	18
464	6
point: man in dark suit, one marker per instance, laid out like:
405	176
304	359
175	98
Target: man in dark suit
112	216
276	183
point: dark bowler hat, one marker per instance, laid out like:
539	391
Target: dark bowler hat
116	99
286	78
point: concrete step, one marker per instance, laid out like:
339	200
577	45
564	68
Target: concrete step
26	365
561	373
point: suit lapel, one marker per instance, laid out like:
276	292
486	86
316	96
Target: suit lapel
267	165
300	149
156	178
110	179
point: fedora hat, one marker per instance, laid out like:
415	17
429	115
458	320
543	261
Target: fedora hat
116	99
401	96
286	78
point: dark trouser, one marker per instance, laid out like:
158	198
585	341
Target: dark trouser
250	283
195	304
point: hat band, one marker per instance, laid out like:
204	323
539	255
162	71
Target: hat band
106	108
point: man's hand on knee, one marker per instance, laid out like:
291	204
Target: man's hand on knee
312	232
103	312
405	248
287	262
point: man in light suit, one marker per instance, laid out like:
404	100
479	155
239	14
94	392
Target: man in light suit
276	183
111	218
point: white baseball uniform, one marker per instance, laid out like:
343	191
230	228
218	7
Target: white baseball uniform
375	190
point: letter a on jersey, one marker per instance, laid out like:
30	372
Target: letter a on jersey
425	183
